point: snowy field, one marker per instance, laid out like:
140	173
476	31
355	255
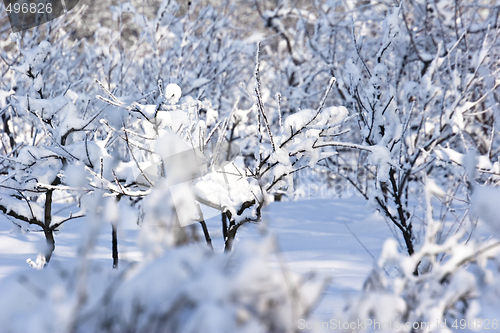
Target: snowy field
314	236
334	238
318	236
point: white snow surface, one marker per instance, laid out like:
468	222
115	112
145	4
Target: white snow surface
313	235
336	238
173	93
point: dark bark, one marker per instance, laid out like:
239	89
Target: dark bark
15	215
48	230
49	235
51	244
7	131
231	234
206	233
224	225
233	226
403	216
114	241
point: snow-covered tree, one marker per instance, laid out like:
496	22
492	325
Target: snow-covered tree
271	151
419	84
182	289
87	123
456	284
57	133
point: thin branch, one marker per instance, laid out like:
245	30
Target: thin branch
260	103
318	111
58	224
135	160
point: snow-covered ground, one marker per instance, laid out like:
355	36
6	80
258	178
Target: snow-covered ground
320	236
332	237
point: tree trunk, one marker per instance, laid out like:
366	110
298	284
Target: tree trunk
231	235
49	235
206	233
51	245
114	244
224	225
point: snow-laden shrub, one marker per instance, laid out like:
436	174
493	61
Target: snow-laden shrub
441	286
100	123
56	133
187	289
419	85
242	161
